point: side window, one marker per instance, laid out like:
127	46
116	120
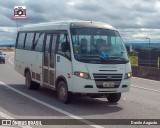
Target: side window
47	49
38	44
29	41
21	40
54	40
64	43
36	40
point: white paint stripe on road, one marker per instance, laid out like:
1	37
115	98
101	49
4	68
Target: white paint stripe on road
146	79
8	127
145	88
51	107
9	60
3	115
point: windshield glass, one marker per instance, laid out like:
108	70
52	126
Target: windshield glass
94	45
0	52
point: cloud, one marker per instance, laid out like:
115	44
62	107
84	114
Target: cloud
131	35
122	14
8	34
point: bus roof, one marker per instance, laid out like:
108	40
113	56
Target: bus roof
62	25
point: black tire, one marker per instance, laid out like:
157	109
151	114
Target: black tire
4	62
31	85
62	91
36	85
114	97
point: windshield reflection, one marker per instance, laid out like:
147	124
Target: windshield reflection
92	44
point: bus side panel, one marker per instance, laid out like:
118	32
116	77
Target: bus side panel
64	68
29	59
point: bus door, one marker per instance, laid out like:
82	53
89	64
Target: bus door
49	59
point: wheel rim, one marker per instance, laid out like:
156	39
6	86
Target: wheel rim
62	93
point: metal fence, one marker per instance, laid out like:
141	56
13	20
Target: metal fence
135	61
151	63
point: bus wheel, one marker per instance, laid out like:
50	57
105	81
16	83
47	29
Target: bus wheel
63	95
114	97
31	85
36	85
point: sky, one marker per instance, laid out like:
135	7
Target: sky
135	19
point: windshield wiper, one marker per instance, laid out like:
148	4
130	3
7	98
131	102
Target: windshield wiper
120	58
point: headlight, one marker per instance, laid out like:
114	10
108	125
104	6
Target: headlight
128	75
83	75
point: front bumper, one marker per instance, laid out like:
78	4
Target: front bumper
81	85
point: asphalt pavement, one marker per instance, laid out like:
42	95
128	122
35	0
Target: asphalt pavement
16	102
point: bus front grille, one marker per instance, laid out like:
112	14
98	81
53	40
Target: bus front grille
100	79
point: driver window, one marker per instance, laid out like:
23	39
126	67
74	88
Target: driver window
64	39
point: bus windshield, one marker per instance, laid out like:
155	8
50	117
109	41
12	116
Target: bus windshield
97	45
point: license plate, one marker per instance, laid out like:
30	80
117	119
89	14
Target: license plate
108	84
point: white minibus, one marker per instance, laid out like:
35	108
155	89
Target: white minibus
74	57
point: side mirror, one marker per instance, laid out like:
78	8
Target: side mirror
65	46
4	54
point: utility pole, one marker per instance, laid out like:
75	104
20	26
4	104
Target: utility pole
149	50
